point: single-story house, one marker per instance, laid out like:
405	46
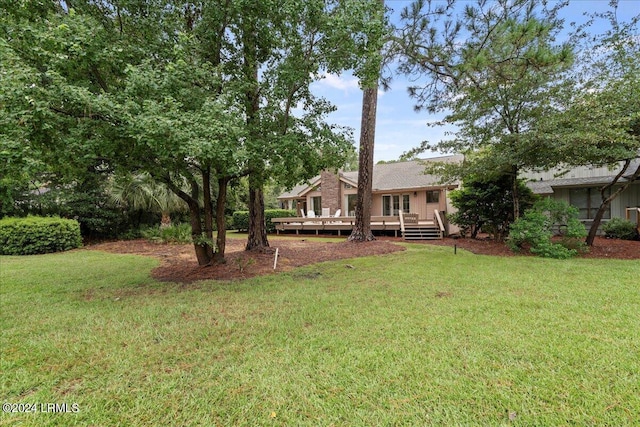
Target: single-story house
397	187
403	187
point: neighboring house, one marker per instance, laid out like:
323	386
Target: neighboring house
397	187
580	187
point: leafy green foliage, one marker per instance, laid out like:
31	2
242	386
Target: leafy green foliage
38	235
487	205
535	229
203	93
177	233
241	218
84	199
618	228
597	121
494	68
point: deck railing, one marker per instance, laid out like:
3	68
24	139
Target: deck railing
340	223
436	215
635	210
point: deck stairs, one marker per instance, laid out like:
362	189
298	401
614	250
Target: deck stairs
422	232
412	229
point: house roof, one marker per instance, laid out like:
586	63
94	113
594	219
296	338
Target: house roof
388	176
410	175
300	189
547	186
294	192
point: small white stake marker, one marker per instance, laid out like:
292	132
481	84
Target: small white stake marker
275	260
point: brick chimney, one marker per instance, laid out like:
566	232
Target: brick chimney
330	191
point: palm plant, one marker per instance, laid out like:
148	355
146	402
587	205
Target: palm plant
141	192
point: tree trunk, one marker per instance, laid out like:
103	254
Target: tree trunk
221	239
208	211
165	221
515	193
606	201
362	228
195	213
257	239
202	254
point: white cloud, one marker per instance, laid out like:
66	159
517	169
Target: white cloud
346	84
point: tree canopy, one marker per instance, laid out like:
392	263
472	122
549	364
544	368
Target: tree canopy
520	99
597	122
492	67
196	92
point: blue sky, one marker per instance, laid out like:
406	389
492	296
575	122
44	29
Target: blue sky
399	128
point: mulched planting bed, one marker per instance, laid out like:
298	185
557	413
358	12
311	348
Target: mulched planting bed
179	262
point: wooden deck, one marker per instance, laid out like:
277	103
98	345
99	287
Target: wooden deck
345	224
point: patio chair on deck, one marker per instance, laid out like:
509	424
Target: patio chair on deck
336	215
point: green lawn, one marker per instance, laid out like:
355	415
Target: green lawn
422	337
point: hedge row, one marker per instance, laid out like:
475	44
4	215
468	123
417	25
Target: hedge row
241	218
37	235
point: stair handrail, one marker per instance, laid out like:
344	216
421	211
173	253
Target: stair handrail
402	222
436	215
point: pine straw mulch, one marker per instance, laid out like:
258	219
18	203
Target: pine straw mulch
178	262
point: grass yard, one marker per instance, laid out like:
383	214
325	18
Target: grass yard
422	337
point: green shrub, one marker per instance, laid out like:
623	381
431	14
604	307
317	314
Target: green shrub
179	233
534	230
618	228
38	235
486	204
276	213
241	218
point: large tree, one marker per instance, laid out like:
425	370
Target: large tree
598	122
362	227
202	93
377	36
123	86
315	37
492	67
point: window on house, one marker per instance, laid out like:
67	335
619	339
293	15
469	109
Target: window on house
433	196
352	199
405	203
386	205
391	205
316	203
588	200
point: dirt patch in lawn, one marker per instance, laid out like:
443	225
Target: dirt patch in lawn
179	262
